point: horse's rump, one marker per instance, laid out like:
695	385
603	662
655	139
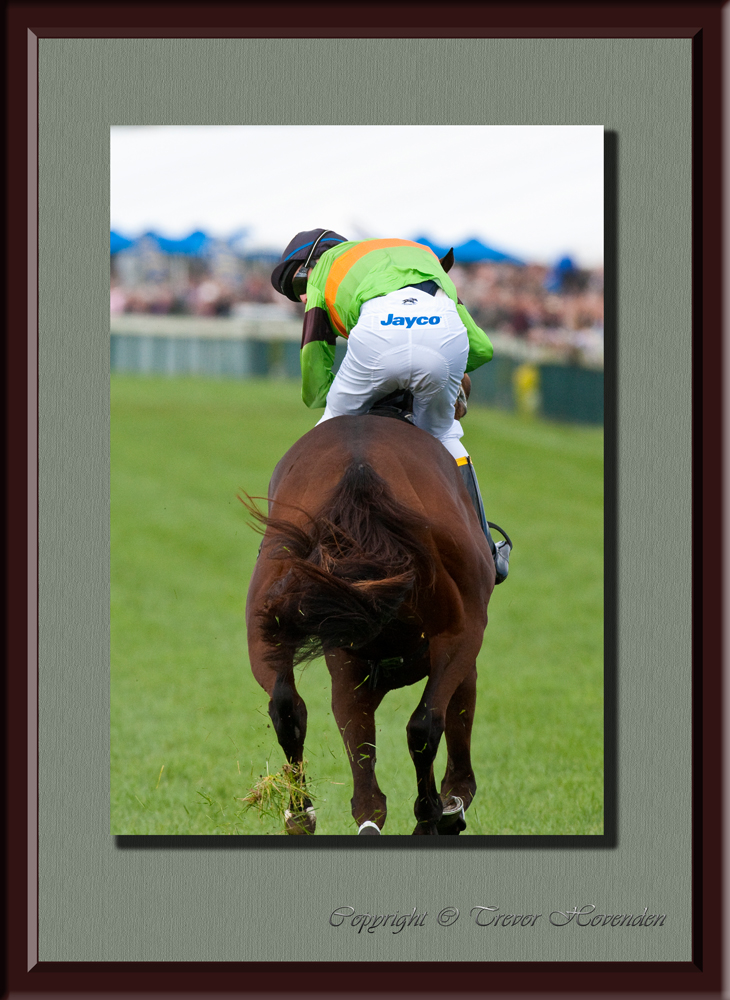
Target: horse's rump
350	567
373	555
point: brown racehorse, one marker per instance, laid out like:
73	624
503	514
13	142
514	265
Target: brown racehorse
373	556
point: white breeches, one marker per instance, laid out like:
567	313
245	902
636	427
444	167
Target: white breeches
389	350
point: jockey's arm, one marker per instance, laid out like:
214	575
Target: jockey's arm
480	346
318	352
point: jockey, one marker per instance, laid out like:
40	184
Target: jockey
405	326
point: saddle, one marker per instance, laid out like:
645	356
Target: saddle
398	405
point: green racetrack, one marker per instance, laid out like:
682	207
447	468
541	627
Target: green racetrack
189	725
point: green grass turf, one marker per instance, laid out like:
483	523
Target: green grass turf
189	725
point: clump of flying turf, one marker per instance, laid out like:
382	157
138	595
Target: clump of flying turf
273	794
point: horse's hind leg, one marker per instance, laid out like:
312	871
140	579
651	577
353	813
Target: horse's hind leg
288	715
459	784
452	661
353	705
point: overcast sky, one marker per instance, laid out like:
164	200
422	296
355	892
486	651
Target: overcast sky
533	191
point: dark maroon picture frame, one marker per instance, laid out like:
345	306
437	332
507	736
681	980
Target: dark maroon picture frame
702	23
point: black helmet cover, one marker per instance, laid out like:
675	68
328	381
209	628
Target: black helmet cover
305	246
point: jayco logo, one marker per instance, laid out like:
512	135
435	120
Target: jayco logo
409	320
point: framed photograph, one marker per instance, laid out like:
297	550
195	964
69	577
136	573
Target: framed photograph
100	890
209	364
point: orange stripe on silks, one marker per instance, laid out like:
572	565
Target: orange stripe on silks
463	461
343	264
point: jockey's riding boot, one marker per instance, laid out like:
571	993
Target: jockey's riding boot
500	551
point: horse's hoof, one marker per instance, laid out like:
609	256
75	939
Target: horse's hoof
300	823
452	820
368	829
425	828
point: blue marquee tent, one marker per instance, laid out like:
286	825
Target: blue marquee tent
562	269
471	252
474	250
194	245
197	244
118	242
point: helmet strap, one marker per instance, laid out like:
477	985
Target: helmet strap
315	245
299	278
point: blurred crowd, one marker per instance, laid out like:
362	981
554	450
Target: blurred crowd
199	293
557	308
543	306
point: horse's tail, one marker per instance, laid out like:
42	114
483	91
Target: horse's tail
349	569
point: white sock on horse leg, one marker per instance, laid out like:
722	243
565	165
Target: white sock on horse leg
366	824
